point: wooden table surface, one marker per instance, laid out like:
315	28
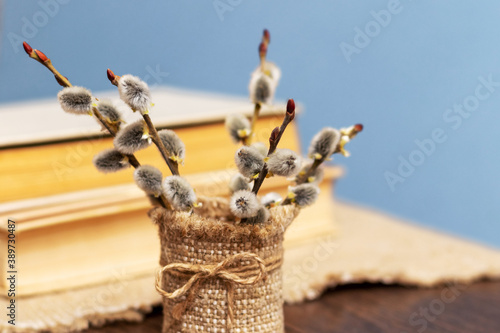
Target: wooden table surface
378	308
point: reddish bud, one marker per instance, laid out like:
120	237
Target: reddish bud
27	48
358	127
290	109
111	75
41	56
274	134
290	106
266	37
262	49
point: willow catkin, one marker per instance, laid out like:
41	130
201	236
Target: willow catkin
271	199
173	144
324	143
261	148
249	161
244	203
238	126
109	111
134	92
304	194
110	160
76	100
132	138
179	192
315	176
149	179
261	217
238	182
284	162
263	85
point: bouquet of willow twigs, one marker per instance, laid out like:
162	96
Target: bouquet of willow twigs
255	162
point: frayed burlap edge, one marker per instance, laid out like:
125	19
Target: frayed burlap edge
211	223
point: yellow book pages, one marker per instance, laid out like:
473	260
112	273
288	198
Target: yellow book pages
37	171
37	159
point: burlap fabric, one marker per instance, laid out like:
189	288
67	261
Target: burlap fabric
217	276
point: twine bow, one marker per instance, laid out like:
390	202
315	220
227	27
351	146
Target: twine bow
242	275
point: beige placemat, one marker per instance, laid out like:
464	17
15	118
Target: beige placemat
371	247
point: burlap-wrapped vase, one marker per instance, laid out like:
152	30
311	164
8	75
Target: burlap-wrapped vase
217	276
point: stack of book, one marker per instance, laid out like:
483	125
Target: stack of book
76	227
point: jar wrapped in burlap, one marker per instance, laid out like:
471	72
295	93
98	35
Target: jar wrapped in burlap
218	276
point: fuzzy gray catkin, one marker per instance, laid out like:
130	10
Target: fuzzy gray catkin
110	160
261	148
149	179
179	193
284	162
109	111
76	100
263	85
315	177
324	143
238	127
238	182
134	92
249	161
173	144
261	217
271	199
262	90
244	204
132	138
304	194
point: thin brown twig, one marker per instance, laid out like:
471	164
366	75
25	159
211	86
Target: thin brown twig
172	165
42	58
273	143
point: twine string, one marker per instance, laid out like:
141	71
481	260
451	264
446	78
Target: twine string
199	273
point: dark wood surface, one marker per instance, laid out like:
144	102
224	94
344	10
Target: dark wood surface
378	308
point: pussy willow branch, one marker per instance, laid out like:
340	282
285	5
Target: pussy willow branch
42	58
350	132
172	165
273	144
262	56
63	81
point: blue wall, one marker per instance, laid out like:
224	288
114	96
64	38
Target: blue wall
404	77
